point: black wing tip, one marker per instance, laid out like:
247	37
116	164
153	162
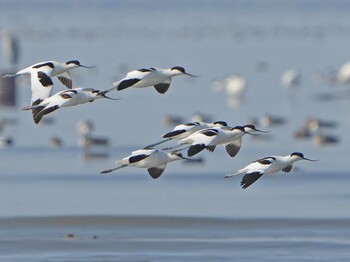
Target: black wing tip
193	150
173	133
127	83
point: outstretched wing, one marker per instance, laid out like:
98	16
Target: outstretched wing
66	79
250	178
41	86
234	147
163	87
156	172
53	103
132	78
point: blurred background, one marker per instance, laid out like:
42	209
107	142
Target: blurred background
282	65
278	64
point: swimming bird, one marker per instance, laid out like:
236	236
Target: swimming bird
66	98
11	47
184	130
267	165
209	138
157	77
152	159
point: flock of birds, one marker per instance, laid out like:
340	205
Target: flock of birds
193	137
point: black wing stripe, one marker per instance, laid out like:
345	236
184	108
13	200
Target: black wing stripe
137	158
155	172
44	79
193	150
46	111
49	64
211	148
162	88
66	81
287	169
232	149
250	178
127	83
174	133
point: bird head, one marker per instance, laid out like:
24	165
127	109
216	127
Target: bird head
76	63
178	70
296	156
251	128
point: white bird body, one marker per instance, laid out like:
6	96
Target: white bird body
291	78
157	77
267	165
66	98
209	138
234	85
152	159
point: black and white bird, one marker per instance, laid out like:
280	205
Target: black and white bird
157	77
152	159
66	98
209	138
267	165
184	130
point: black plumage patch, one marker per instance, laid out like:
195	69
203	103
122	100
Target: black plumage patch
155	172
179	68
174	133
75	62
46	111
162	88
287	169
44	79
250	178
193	150
49	64
223	123
210	132
65	96
266	160
65	81
137	158
211	148
127	83
36	110
192	124
144	70
232	149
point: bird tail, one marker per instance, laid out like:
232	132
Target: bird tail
235	174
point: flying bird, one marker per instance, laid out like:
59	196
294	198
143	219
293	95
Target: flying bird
66	98
152	159
184	130
267	165
157	77
209	138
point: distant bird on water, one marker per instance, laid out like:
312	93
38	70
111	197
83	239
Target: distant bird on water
157	77
152	159
267	165
66	98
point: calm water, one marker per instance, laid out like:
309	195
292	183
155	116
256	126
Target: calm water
192	212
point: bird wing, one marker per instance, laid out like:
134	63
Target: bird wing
250	178
254	171
287	169
66	79
131	78
156	172
53	103
163	87
234	147
41	86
